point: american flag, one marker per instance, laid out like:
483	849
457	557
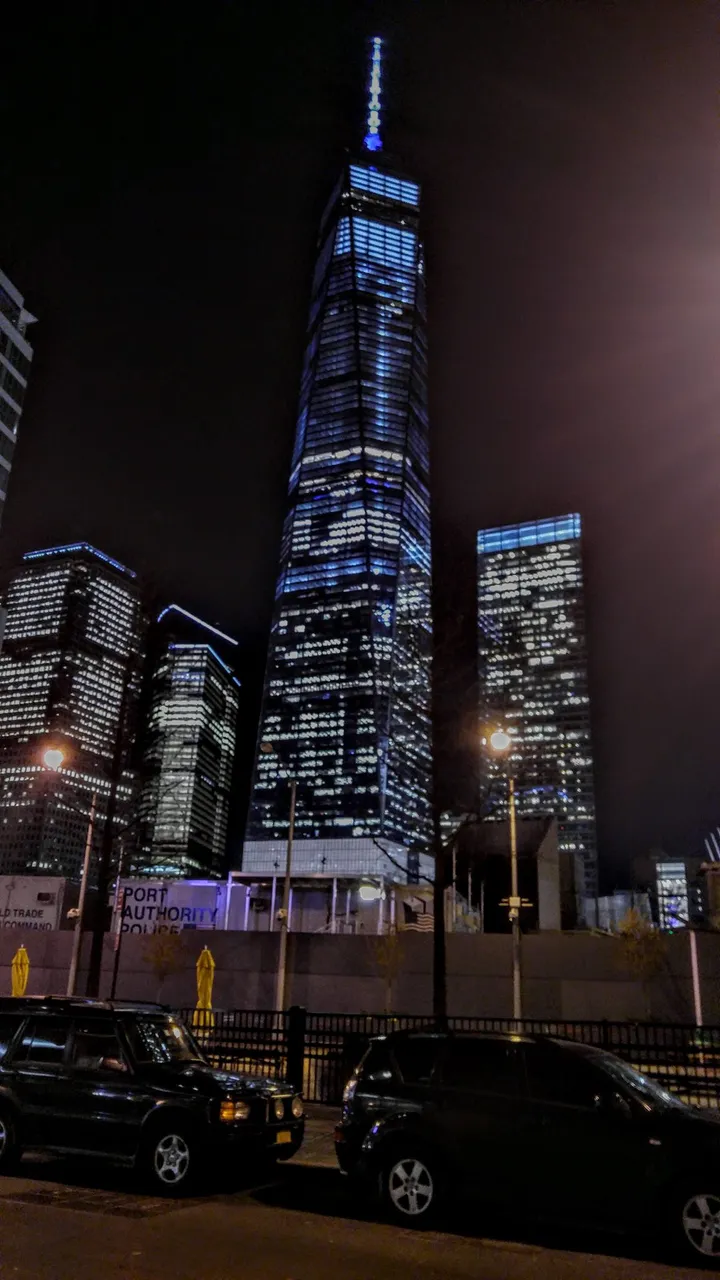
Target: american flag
420	922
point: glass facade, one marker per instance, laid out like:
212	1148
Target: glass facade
189	752
15	357
346	705
533	677
69	671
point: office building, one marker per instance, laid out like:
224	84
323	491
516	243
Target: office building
69	684
189	749
346	705
15	357
534	679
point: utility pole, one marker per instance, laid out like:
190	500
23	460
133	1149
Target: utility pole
281	984
439	948
514	907
105	860
79	921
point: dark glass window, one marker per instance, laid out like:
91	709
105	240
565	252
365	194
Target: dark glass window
417	1059
162	1040
9	1023
554	1076
487	1066
376	1064
44	1040
93	1042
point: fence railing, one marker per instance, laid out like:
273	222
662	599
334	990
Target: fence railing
318	1051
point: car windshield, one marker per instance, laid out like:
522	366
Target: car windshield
641	1085
163	1040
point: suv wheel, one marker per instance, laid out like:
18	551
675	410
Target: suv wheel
170	1159
9	1147
410	1188
699	1222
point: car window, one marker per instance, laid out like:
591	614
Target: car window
94	1043
416	1059
9	1024
44	1040
554	1076
648	1090
486	1066
162	1040
375	1063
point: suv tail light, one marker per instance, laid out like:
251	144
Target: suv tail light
349	1090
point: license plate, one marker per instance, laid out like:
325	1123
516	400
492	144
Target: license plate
284	1135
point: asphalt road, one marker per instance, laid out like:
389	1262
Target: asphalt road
63	1221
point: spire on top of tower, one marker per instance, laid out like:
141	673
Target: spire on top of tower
372	140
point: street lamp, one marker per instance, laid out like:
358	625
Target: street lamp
53	759
500	743
267	748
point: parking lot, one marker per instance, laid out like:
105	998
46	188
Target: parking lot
69	1221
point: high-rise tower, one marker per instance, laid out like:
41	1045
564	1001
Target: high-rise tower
533	674
69	683
346	705
15	357
189	749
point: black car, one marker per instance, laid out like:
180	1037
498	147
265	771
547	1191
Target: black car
533	1125
130	1084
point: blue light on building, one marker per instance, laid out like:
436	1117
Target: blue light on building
533	675
372	140
346	702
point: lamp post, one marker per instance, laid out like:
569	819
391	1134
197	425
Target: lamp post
267	748
501	742
53	759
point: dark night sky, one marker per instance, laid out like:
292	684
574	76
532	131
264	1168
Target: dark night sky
161	181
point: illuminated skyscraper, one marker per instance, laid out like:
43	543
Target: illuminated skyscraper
346	706
69	679
533	674
15	357
189	749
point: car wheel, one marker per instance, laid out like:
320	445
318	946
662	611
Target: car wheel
170	1159
410	1190
699	1225
9	1146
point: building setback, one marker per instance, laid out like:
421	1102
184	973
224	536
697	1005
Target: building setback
346	704
189	750
15	357
533	676
69	682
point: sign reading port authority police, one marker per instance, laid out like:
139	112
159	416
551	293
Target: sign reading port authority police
169	906
31	902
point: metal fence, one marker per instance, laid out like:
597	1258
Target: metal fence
318	1051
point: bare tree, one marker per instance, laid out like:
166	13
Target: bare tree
644	951
388	952
164	953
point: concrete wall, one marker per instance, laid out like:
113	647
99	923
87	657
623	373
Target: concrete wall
564	975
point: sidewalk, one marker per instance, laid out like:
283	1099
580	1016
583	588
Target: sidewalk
318	1148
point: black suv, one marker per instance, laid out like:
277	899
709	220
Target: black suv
129	1083
529	1124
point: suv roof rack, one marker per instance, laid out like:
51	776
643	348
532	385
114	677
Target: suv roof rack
451	1033
87	1003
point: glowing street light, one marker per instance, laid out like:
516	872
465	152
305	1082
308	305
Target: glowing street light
500	741
54	759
